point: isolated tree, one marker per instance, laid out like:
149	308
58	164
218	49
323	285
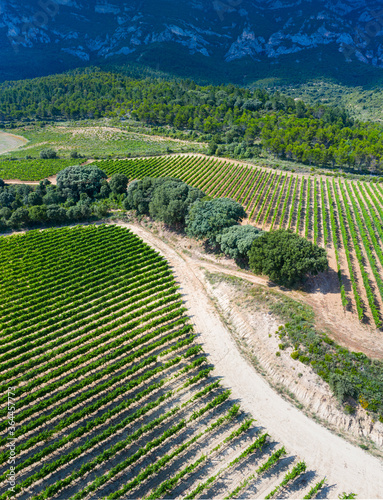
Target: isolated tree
285	257
48	154
118	183
207	218
236	241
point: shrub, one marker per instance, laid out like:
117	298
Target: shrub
350	410
207	218
236	241
48	154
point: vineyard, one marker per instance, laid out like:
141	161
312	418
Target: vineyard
32	170
110	393
346	217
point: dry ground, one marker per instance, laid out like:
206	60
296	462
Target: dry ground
10	142
342	463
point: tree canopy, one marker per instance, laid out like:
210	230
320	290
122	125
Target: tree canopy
235	121
171	201
163	198
285	257
81	179
118	183
236	241
207	218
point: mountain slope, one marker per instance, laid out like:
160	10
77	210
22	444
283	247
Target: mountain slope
230	34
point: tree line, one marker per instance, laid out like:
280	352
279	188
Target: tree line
235	121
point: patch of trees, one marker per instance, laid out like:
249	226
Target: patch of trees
285	257
76	180
281	255
162	198
235	121
81	193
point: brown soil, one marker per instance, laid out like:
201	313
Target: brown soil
52	179
322	293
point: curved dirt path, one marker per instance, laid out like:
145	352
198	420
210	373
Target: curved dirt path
10	142
52	180
346	467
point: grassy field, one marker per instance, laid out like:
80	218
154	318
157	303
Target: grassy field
114	397
93	139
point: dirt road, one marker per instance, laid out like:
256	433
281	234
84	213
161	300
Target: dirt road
347	468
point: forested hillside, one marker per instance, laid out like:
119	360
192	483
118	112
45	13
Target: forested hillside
237	122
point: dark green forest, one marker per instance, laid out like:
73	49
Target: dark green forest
236	122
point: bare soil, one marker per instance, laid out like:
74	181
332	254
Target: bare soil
344	465
52	179
10	142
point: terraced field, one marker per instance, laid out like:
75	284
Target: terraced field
105	391
346	217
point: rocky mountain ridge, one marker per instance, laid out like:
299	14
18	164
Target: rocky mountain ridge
80	31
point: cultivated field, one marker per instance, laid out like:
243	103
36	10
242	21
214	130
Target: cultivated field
344	216
113	396
33	170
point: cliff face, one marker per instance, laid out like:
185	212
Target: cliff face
223	30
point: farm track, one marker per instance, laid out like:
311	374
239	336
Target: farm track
117	395
333	456
267	195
